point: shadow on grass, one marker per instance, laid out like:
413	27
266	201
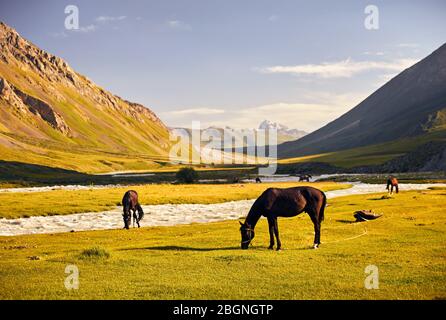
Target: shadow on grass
346	221
180	248
27	174
382	198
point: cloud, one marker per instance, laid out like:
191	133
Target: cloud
320	109
313	111
93	27
373	53
195	111
64	34
103	19
273	18
408	45
86	29
178	25
340	69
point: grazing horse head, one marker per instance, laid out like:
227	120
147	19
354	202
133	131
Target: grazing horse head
247	234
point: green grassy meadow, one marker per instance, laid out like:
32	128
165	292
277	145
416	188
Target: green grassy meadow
203	261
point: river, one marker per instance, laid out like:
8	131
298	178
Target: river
163	215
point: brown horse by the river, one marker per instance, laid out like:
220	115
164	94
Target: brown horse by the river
392	182
130	203
289	202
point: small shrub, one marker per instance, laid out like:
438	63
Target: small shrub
187	175
95	253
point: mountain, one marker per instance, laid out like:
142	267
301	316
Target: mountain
284	134
52	115
411	104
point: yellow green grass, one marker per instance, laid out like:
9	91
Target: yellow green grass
71	157
59	202
369	155
203	261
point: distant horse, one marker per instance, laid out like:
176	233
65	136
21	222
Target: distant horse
392	182
130	202
258	180
305	177
289	202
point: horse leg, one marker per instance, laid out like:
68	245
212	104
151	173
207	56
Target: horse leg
134	218
137	220
271	233
391	189
125	217
276	232
317	229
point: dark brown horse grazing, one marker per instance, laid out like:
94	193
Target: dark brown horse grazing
305	177
289	202
392	182
130	202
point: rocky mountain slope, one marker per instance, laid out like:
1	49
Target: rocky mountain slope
49	111
411	104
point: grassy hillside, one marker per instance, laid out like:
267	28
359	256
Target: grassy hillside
372	154
203	261
72	157
51	115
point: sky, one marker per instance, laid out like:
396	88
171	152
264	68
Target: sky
236	63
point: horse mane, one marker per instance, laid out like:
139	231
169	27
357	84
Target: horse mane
254	213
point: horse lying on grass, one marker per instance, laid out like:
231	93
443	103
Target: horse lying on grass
130	202
289	202
305	177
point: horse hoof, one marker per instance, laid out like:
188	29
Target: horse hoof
315	246
270	248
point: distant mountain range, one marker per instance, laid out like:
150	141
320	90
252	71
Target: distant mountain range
52	115
412	104
283	133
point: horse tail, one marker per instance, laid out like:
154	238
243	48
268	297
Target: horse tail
140	212
322	210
